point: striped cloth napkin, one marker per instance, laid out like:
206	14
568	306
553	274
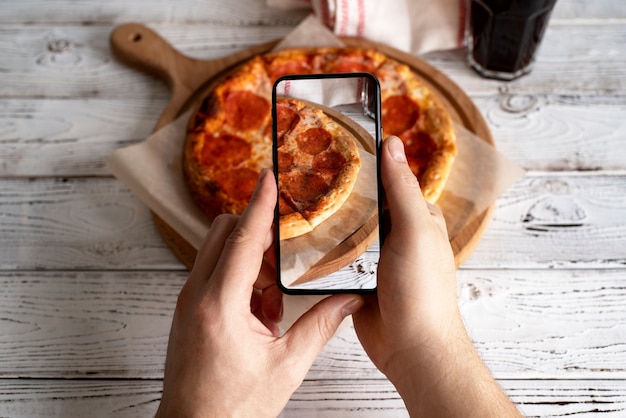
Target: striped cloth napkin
415	26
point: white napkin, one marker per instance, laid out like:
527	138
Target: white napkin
415	26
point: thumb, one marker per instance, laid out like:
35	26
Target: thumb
402	189
310	333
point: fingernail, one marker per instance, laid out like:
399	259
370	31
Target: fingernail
352	306
396	148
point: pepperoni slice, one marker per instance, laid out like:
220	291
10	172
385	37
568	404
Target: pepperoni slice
238	183
314	140
285	207
225	150
399	114
328	161
286	118
305	187
419	147
245	110
285	162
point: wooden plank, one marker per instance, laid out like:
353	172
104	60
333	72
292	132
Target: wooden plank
234	13
76	62
345	398
70	137
526	324
78	398
582	10
560	221
77	224
86	324
214	11
535	398
73	137
572	398
547	324
558	133
544	221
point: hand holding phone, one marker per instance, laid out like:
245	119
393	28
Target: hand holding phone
326	138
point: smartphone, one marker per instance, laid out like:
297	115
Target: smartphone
326	135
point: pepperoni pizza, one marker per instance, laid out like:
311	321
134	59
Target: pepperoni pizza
229	137
318	163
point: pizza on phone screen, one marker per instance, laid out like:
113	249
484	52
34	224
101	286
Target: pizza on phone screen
318	163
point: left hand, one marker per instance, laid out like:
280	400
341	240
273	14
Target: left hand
225	356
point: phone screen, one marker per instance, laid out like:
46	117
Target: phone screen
326	141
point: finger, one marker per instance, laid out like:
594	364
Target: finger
402	190
240	262
257	311
310	333
271	296
271	326
210	250
270	255
272	303
267	275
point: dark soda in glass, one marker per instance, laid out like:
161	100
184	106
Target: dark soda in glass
503	35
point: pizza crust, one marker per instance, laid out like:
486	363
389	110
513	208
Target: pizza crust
293	225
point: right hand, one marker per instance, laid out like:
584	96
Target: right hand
412	328
415	309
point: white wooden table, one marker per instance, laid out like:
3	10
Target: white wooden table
88	287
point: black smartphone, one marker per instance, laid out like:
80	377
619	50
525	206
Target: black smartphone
326	134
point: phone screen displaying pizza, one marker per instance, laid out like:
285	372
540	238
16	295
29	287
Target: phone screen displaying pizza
326	142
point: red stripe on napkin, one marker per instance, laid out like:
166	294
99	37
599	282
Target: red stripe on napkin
462	22
326	20
360	29
352	11
343	25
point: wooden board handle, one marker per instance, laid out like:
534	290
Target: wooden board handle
140	47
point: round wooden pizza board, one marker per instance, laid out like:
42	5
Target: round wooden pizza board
190	79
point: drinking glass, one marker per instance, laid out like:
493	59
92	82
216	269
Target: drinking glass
503	35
